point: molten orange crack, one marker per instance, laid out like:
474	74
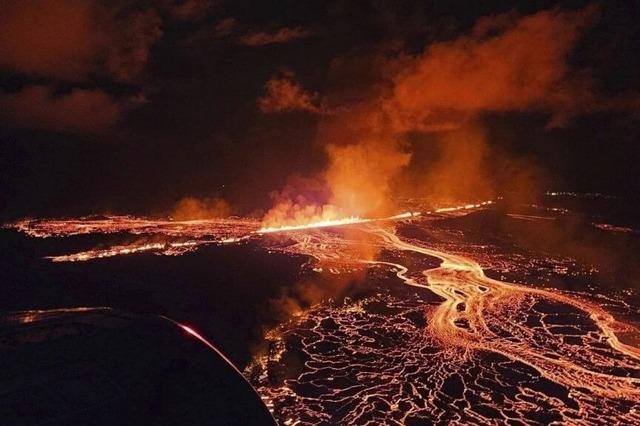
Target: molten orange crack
330	223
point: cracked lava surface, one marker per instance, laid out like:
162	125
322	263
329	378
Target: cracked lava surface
435	341
447	345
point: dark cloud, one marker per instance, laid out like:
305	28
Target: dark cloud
130	42
72	40
225	26
209	34
283	93
282	35
78	42
505	63
49	38
79	111
190	10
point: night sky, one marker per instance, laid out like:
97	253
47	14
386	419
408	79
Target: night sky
129	107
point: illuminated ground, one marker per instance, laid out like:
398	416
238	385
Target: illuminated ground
484	351
472	316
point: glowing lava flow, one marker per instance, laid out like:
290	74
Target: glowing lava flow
488	351
469	294
449	345
352	220
462	208
167	237
355	220
164	248
47	228
320	224
224	231
197	232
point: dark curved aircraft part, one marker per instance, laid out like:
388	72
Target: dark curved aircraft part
95	366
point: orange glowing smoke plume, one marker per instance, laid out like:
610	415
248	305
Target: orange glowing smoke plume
505	63
191	208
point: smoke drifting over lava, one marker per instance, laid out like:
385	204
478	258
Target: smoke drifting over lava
505	64
191	208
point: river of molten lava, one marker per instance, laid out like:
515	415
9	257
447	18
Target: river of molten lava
191	234
468	293
595	380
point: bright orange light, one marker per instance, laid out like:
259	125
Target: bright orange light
321	224
330	223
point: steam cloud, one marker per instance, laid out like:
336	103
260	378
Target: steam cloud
504	64
191	208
